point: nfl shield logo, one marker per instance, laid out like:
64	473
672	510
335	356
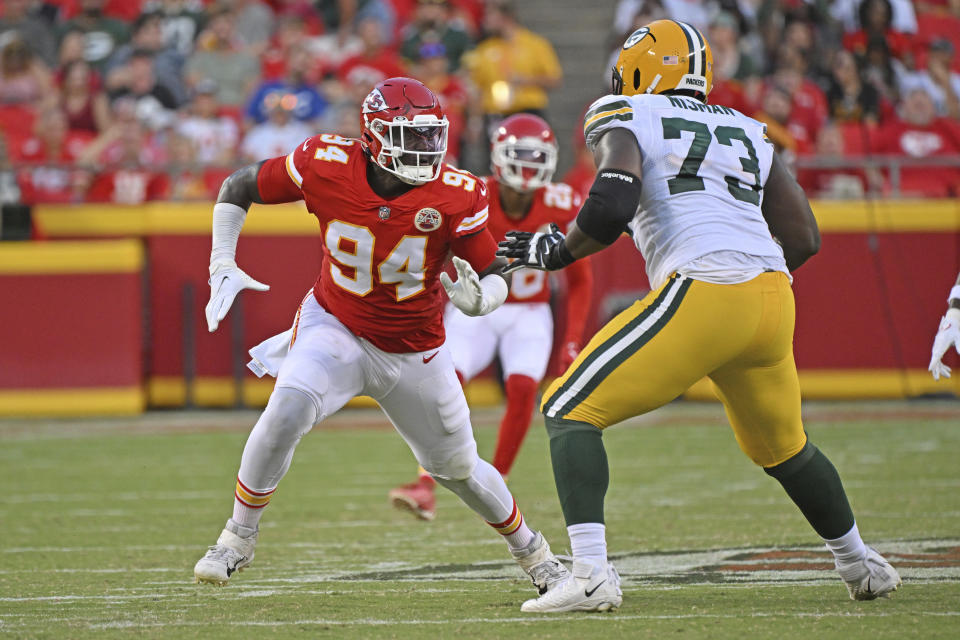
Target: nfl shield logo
427	219
384	213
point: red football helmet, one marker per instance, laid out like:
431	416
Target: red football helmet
404	130
524	152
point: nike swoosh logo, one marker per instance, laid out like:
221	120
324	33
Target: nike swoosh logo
590	592
428	359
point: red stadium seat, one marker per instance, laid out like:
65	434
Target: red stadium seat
16	121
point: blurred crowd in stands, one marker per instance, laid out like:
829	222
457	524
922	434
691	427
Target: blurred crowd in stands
133	100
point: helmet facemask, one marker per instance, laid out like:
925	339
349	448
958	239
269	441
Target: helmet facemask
526	164
412	150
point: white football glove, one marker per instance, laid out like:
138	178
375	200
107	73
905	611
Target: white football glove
226	281
948	335
470	294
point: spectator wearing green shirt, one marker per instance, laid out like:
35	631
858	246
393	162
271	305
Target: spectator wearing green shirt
101	34
433	22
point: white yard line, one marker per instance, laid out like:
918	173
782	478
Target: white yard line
613	617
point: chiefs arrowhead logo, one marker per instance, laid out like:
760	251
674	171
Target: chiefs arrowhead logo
374	102
427	219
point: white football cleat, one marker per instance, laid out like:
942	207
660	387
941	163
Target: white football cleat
231	553
871	577
540	564
589	588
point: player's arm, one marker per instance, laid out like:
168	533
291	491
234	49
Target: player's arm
263	182
787	212
611	205
948	334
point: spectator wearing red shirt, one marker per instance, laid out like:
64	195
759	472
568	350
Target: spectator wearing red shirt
81	99
876	18
788	136
808	104
920	133
376	62
131	157
46	159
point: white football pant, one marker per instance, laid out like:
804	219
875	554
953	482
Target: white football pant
520	333
327	366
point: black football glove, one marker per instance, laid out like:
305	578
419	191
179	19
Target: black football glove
543	250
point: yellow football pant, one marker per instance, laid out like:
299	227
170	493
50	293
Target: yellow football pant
738	335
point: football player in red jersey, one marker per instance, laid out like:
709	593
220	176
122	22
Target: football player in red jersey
523	158
389	211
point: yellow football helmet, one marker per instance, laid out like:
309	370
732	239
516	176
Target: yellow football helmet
665	55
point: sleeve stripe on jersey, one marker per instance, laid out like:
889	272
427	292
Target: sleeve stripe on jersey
603	118
292	171
607	106
473	221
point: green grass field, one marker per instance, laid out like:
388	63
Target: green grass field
102	521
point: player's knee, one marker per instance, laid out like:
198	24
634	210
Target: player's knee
456	464
289	414
557	427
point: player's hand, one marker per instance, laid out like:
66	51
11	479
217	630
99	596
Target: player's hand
568	353
538	250
948	335
226	281
465	293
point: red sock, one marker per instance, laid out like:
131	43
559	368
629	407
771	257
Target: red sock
521	395
424	478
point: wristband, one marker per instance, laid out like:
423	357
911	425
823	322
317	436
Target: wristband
560	257
495	292
228	219
954	294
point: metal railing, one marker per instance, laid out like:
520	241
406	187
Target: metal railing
889	166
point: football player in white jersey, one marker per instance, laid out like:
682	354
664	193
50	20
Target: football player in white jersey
721	224
948	334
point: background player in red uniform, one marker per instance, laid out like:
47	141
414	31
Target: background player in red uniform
389	211
523	158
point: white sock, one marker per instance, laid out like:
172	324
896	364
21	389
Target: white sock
245	516
239	529
520	538
848	548
588	542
